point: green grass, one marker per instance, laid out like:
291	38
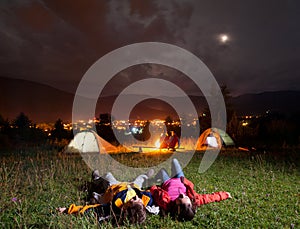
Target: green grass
266	192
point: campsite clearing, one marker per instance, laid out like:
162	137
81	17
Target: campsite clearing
265	190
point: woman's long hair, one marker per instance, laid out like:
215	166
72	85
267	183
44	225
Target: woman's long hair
134	212
182	212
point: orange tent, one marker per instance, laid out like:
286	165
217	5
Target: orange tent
214	138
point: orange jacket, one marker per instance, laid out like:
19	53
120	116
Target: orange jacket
163	200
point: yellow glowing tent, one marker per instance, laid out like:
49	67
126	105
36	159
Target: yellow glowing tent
91	142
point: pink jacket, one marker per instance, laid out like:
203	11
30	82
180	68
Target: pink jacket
162	198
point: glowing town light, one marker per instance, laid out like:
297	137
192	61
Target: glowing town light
244	123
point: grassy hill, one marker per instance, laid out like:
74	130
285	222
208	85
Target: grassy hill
265	190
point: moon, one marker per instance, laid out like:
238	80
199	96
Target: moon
224	38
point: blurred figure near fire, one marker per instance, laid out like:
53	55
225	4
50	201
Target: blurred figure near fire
170	142
173	141
164	141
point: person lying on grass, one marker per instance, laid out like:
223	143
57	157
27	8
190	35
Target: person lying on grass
176	195
123	200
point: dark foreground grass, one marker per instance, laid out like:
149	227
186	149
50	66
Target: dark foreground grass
266	192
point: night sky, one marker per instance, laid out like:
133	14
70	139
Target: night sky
55	42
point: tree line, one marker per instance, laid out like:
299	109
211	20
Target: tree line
22	132
269	130
272	129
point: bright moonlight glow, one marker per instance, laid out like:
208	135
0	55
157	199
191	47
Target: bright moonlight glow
224	38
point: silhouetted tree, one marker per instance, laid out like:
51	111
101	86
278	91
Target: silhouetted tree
4	125
104	128
233	126
277	130
205	118
145	134
227	97
1	122
59	132
105	119
22	122
59	126
22	126
168	120
4	133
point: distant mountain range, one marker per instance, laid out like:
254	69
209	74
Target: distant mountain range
43	103
278	101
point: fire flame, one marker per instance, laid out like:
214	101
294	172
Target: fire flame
157	144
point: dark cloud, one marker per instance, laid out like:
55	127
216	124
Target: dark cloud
55	42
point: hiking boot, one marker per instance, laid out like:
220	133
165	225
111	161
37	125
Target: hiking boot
150	173
149	180
95	199
95	175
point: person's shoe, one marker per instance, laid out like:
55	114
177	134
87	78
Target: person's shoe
95	175
150	173
95	198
